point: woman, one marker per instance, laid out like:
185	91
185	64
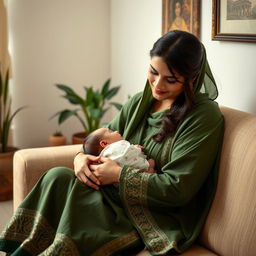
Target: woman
178	22
180	126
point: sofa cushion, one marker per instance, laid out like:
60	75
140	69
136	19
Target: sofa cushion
230	228
196	250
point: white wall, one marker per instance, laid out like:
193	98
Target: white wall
55	41
233	64
137	24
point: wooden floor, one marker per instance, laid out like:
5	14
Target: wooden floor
6	210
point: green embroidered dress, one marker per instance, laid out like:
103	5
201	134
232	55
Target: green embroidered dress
163	211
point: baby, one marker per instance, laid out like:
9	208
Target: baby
107	143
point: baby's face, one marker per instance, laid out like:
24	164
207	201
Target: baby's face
109	135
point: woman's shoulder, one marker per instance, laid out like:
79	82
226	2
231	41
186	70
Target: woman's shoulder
203	119
205	112
205	107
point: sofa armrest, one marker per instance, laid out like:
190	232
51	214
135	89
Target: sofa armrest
30	164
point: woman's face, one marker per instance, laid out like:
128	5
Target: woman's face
165	86
177	9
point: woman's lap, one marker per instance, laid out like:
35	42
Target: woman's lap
61	215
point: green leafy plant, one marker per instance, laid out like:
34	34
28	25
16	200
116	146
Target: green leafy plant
6	116
92	106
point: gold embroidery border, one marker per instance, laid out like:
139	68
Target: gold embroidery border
26	225
61	246
134	194
29	225
117	244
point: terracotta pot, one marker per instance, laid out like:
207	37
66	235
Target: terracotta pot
57	140
6	176
78	138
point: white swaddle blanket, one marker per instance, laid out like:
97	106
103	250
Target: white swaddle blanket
124	153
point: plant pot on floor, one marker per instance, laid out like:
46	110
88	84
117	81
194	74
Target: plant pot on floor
6	152
6	174
78	138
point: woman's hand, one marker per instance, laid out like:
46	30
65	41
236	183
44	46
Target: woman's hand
140	147
151	168
82	171
107	172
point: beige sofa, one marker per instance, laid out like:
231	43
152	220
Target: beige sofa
230	229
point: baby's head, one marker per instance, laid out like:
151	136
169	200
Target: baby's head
99	139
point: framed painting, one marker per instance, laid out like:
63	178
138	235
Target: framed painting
181	15
234	20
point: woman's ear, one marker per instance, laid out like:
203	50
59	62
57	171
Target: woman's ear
103	143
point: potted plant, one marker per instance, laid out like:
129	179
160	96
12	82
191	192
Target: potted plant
6	151
57	139
90	108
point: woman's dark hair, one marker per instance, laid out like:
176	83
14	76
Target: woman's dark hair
182	52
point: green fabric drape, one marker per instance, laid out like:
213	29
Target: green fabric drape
63	217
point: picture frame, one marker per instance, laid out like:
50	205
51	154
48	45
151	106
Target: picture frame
181	15
233	22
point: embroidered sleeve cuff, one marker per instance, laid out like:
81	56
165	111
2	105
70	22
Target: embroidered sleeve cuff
123	173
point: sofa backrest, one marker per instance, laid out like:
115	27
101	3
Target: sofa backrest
230	229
